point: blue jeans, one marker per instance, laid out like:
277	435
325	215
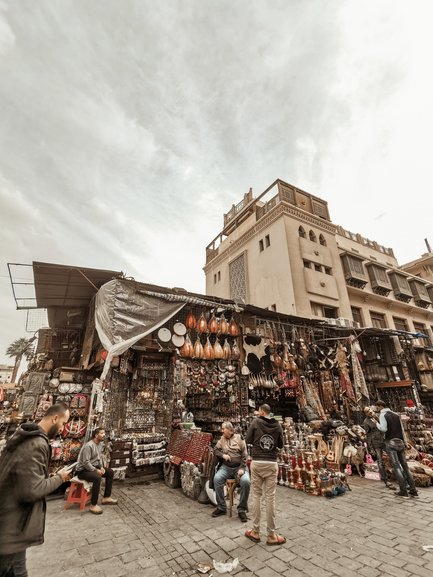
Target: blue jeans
224	472
381	465
401	470
13	565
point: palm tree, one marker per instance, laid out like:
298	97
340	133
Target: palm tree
20	348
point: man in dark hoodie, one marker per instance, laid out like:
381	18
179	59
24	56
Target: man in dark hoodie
265	435
395	445
24	484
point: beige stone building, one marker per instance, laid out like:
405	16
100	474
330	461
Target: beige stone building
281	251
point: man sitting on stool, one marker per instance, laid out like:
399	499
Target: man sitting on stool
232	450
90	469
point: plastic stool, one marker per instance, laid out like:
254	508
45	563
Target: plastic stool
77	494
231	486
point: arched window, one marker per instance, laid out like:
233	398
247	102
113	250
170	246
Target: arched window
322	240
313	236
302	232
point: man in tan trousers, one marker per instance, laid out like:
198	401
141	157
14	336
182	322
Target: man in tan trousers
265	435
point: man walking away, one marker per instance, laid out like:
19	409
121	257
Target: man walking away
376	443
266	437
90	469
24	484
390	424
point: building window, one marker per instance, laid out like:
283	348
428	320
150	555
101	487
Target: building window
219	275
420	328
267	241
400	324
322	240
317	268
307	264
378	320
328	270
357	315
302	233
330	312
312	236
261	246
319	310
214	278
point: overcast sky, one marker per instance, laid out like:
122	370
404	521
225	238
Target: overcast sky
127	128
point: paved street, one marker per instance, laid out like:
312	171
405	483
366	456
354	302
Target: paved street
156	531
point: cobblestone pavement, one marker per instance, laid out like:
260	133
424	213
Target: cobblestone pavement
156	531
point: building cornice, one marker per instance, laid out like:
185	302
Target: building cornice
282	208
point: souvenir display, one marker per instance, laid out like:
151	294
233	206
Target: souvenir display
200	369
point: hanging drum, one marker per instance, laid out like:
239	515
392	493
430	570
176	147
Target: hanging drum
164	335
179	329
178	340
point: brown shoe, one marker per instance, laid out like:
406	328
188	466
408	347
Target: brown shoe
108	501
96	509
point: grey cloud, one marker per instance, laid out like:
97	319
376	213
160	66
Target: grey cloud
128	128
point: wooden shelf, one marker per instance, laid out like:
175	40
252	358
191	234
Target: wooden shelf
394	384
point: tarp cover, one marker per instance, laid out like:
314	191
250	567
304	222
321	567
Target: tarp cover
124	315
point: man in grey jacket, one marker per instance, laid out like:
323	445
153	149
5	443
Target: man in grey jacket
90	468
265	435
24	484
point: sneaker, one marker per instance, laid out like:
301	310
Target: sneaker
109	501
390	486
242	516
413	493
404	494
96	509
218	512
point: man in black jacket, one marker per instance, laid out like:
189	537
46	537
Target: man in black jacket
395	445
266	437
24	484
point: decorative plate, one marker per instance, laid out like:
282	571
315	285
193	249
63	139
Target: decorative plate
64	388
222	364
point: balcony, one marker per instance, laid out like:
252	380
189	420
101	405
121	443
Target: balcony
354	271
401	287
379	280
420	295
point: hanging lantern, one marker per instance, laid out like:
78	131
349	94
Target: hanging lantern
198	349
224	325
218	350
187	348
213	325
202	324
190	322
234	330
208	352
